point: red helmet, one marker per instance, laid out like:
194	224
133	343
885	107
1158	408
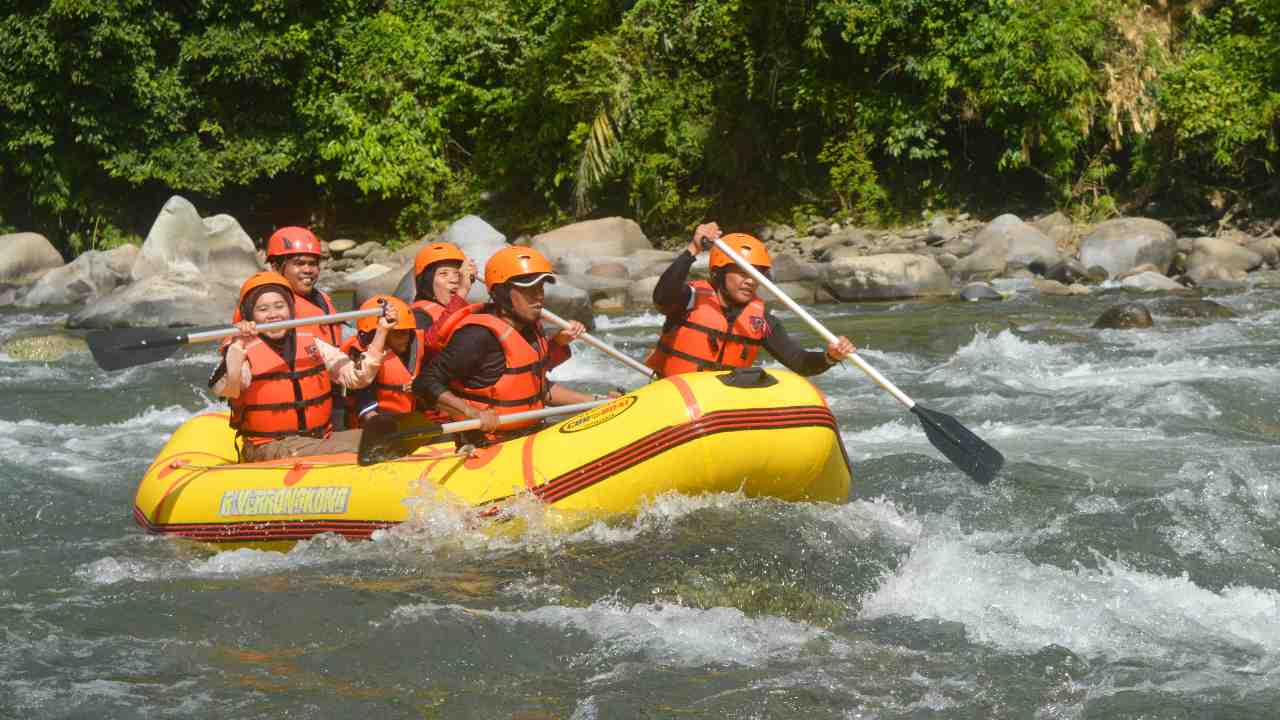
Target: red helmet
750	248
292	240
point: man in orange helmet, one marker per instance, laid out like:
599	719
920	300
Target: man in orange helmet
722	324
294	252
495	357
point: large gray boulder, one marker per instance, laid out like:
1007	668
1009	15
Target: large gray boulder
478	240
167	300
1151	282
875	277
570	303
25	256
1220	259
90	276
1004	240
790	268
612	236
1017	240
180	242
1122	244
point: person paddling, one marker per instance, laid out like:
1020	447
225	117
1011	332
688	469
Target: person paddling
392	388
495	357
722	324
280	383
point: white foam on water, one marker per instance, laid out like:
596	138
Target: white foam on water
83	451
1112	612
620	322
876	518
111	570
1223	508
664	634
1024	365
590	365
1003	355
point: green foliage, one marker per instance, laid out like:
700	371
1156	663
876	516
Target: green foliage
1222	101
853	176
403	114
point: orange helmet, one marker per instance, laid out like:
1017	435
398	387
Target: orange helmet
292	240
262	279
750	248
404	314
434	253
514	261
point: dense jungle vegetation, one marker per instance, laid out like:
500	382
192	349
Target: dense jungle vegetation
383	117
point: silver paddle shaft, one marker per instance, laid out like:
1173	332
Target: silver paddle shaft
604	347
209	335
465	425
818	327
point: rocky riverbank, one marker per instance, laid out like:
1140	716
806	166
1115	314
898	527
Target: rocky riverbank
189	268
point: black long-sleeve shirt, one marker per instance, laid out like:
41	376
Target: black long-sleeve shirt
672	296
474	357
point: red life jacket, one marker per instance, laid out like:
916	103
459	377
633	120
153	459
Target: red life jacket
703	340
280	400
427	310
523	385
392	386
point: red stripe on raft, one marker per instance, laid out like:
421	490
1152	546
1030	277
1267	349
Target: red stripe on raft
589	474
263	530
686	392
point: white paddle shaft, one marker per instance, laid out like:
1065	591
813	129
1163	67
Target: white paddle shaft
465	425
818	327
603	347
209	335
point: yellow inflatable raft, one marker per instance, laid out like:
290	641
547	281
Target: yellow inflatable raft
694	433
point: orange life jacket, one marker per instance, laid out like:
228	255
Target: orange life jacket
392	386
523	385
280	400
304	308
703	340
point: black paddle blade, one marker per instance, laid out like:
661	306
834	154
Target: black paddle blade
969	452
387	437
127	347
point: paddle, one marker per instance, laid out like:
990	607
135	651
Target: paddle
387	437
969	452
604	347
127	347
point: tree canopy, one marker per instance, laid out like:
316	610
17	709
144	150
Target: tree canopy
388	116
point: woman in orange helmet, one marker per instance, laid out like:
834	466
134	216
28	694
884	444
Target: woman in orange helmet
280	382
722	324
443	276
392	388
495	356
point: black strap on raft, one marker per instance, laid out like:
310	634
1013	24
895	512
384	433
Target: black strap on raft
748	377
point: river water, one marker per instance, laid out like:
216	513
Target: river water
1123	566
